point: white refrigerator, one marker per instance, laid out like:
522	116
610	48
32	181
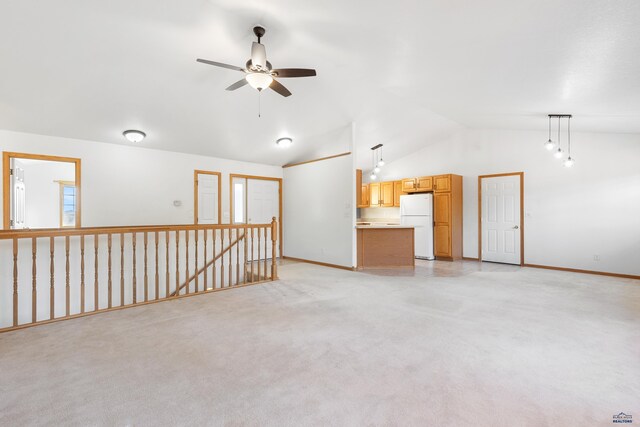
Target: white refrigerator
417	210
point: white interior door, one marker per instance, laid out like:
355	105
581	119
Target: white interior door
263	203
207	198
18	195
501	219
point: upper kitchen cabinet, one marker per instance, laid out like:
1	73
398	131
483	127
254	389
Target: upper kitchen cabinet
414	185
397	192
386	194
362	191
374	194
408	185
442	183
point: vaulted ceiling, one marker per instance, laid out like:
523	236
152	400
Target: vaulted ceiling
406	72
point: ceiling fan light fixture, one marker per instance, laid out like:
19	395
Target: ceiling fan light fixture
259	81
284	142
133	135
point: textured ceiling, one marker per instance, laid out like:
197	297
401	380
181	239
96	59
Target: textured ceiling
406	72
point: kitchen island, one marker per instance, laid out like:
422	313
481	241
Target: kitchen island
385	246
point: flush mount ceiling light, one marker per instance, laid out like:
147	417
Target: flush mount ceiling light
551	146
284	142
134	136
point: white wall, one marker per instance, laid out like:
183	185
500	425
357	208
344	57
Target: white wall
570	214
319	212
42	192
126	185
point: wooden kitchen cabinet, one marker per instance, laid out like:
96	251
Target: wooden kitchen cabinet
414	185
386	194
362	191
408	185
397	192
374	194
442	183
424	183
447	217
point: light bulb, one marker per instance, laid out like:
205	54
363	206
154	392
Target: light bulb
259	80
376	169
569	162
549	145
381	163
558	153
373	176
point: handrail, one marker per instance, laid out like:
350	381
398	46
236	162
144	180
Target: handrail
80	231
208	264
58	274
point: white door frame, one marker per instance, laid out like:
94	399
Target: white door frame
521	174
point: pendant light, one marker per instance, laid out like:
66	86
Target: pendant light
558	153
569	162
549	144
377	161
373	175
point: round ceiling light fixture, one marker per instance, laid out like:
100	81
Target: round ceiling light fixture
284	142
134	135
259	80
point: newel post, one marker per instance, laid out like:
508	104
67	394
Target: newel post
274	237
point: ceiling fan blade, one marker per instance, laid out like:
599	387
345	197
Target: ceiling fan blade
238	84
259	55
295	72
220	64
277	87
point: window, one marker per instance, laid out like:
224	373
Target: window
67	204
239	199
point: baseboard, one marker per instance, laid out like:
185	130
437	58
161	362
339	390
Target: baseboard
577	270
323	264
469	258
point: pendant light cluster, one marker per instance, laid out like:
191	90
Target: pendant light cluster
556	146
377	162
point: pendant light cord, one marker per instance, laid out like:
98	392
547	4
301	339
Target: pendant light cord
569	136
549	128
559	125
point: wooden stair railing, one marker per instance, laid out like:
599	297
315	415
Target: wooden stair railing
48	275
208	265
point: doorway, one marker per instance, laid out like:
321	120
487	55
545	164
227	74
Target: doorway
40	191
207	188
501	218
256	200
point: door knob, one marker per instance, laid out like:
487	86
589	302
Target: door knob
515	227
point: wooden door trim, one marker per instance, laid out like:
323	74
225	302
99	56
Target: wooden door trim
263	178
6	182
197	172
497	175
316	160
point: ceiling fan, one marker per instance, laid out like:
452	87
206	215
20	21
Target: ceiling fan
259	73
